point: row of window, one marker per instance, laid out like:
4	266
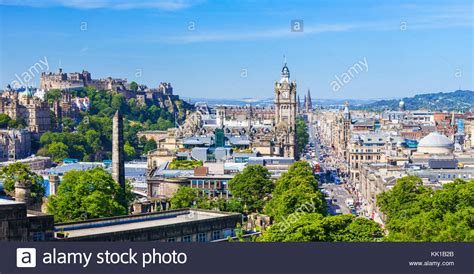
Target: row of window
367	150
201	237
367	157
454	176
217	184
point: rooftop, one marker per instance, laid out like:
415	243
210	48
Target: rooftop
134	222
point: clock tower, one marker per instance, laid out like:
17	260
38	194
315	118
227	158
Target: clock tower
285	115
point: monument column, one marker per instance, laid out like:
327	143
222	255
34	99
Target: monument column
118	166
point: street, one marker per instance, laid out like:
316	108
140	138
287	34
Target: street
329	182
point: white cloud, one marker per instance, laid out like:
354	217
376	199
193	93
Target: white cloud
261	34
109	4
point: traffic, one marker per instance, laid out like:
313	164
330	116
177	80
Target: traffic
338	198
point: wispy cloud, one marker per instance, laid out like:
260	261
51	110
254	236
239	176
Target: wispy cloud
417	17
259	34
106	4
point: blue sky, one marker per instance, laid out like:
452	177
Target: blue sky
235	49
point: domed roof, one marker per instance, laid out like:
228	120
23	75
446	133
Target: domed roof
285	74
401	103
285	70
434	139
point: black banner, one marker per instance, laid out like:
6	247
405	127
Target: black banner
157	257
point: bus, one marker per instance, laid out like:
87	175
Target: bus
316	167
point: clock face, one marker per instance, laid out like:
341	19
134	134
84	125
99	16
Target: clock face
285	94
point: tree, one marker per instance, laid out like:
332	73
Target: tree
149	146
4	120
184	164
184	197
418	213
119	103
68	124
17	123
314	227
88	194
19	172
133	86
58	151
296	191
252	186
130	152
302	135
52	95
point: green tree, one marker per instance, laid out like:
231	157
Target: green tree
68	124
418	213
19	172
58	151
88	194
184	197
149	146
93	139
4	120
302	135
296	191
119	103
314	227
133	86
52	95
17	123
184	164
130	152
252	187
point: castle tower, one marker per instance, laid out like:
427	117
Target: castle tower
285	114
118	166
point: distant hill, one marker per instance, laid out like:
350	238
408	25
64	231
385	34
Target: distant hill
459	100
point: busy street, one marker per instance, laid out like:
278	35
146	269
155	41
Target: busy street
334	187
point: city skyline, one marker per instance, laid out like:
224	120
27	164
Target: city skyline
206	50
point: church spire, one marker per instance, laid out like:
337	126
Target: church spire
308	103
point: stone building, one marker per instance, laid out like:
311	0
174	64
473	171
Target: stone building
23	105
15	144
285	115
64	81
19	224
371	148
182	225
77	80
66	107
268	131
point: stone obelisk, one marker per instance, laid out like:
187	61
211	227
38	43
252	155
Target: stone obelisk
118	166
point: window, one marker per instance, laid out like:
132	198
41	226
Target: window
202	237
187	239
38	236
171	240
216	235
